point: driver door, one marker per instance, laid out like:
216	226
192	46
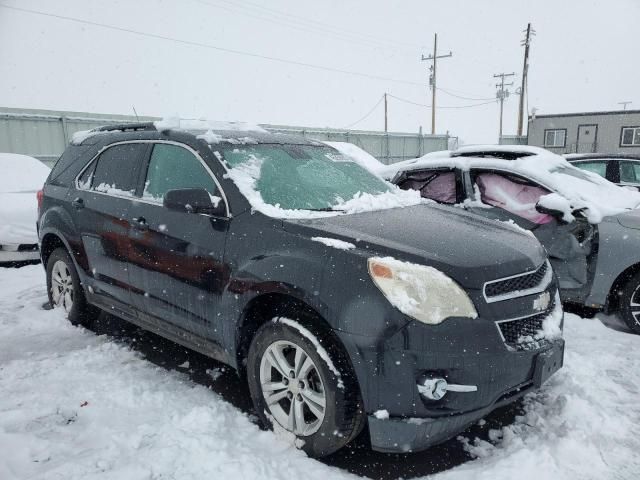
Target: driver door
507	197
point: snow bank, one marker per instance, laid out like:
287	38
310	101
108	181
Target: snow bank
22	176
334	243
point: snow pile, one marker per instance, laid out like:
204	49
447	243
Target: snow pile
246	174
358	155
22	176
171	122
81	135
74	405
113	190
582	190
334	243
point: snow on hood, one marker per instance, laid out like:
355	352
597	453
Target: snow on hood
356	153
573	189
22	177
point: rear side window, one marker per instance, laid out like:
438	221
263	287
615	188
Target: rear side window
435	185
172	168
68	165
116	170
629	172
598	167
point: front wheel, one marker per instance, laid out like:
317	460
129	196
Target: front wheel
64	289
630	303
297	389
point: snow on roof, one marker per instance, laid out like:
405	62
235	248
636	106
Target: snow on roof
361	157
582	189
174	122
21	173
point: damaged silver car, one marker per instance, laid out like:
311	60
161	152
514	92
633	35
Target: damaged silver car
589	226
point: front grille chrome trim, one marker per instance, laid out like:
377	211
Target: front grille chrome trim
541	287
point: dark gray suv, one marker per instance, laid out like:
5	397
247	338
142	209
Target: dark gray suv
278	256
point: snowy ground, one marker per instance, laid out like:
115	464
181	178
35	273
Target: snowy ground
124	404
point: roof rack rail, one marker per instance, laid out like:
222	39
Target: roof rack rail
145	126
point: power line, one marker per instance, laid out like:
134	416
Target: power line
447	92
213	47
277	16
444	107
366	116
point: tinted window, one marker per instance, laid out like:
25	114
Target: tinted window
68	165
630	172
599	167
171	168
117	169
438	186
512	194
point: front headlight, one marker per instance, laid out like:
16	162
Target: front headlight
421	292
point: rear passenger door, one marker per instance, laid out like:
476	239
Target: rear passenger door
100	208
177	259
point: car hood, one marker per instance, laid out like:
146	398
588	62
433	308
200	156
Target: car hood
468	248
18	217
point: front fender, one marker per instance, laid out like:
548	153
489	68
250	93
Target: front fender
619	249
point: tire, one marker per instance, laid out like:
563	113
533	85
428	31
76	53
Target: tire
629	305
319	431
65	290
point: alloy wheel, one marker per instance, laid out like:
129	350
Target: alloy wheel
62	292
292	388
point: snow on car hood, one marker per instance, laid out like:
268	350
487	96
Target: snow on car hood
22	176
572	188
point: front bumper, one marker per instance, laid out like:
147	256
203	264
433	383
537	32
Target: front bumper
402	434
18	253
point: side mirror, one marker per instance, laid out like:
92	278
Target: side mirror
193	200
558	214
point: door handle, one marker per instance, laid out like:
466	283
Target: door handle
78	203
140	223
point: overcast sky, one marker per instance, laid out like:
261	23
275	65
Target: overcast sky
583	58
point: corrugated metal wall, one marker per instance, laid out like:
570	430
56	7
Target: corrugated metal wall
44	134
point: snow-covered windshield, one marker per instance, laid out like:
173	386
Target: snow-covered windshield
289	180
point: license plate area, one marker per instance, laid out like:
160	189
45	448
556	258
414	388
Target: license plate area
548	363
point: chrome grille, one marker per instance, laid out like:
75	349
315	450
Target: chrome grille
518	285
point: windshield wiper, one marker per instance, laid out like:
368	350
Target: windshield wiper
324	209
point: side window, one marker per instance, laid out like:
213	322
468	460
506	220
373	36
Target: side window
629	172
172	167
116	170
432	184
512	194
598	167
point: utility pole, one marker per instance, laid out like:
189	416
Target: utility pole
525	70
501	94
385	113
432	79
624	104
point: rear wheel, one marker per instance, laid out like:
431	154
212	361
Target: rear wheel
630	303
64	288
295	389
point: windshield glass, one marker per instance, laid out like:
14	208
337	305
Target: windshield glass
300	177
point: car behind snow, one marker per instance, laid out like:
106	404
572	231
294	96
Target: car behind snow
589	226
22	176
280	257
